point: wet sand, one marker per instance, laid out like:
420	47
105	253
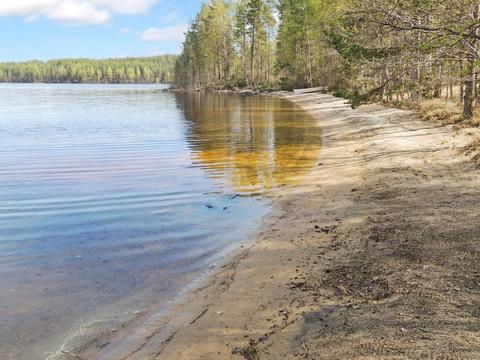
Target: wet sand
375	256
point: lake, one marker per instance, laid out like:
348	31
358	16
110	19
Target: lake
115	199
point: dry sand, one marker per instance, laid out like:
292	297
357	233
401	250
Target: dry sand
375	256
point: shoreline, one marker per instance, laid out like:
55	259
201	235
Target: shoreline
334	271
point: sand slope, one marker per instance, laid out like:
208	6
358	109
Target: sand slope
375	256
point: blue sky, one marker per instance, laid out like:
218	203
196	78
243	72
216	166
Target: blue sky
52	29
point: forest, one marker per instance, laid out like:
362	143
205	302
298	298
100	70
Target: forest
363	50
157	69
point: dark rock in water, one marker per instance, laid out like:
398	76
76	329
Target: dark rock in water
102	345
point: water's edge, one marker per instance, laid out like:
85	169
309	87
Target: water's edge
135	333
127	333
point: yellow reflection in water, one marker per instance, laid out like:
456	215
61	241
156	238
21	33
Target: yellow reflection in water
253	143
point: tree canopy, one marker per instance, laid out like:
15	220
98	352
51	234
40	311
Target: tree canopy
361	49
229	44
157	69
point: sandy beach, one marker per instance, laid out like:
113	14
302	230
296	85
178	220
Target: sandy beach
374	256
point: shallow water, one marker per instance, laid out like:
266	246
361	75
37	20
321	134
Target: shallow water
113	199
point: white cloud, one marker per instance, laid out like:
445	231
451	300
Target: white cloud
25	7
74	12
128	6
78	13
172	34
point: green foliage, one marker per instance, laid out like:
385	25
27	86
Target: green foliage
229	44
158	69
365	50
302	44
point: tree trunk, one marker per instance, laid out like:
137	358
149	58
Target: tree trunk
469	95
437	92
252	53
468	92
461	82
309	47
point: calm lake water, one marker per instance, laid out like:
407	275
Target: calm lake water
114	199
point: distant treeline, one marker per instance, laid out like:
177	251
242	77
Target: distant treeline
157	69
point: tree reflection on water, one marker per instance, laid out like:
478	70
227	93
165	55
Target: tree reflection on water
254	143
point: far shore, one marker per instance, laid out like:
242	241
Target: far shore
374	255
234	91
